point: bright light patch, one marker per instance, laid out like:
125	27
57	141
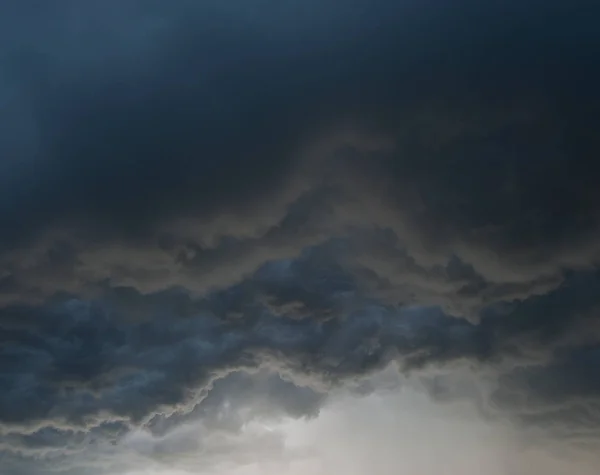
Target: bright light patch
391	431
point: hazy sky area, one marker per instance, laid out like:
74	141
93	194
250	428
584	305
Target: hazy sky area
317	237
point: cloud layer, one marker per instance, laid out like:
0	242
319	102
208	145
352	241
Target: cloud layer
219	213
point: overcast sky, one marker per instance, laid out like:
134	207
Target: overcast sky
244	237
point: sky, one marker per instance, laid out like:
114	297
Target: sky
299	237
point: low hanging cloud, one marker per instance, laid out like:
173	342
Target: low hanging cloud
78	374
166	174
220	214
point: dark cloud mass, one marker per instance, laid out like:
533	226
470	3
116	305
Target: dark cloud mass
216	212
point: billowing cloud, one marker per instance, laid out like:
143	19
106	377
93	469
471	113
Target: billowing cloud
78	375
220	214
192	165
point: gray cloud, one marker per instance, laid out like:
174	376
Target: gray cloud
78	369
192	166
213	212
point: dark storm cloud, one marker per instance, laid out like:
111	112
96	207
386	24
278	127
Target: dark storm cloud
202	115
194	194
78	377
187	145
79	369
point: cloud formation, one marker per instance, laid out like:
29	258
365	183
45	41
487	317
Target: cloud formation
194	165
78	374
219	213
